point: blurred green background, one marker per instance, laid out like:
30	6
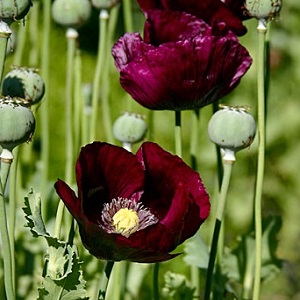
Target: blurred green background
281	189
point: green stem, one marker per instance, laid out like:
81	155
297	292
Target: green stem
6	250
13	185
106	113
116	278
5	33
155	281
78	103
105	279
178	137
34	34
44	111
195	138
218	222
103	17
59	218
21	38
261	31
127	11
71	36
195	272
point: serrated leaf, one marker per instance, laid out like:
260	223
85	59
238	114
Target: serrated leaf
63	278
56	262
35	222
70	283
196	252
33	214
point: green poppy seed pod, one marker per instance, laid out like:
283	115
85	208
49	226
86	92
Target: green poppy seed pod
24	83
17	123
130	128
11	10
232	128
105	4
263	9
71	13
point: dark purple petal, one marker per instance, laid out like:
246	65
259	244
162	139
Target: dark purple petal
128	48
104	172
163	183
211	11
69	198
187	74
166	26
116	247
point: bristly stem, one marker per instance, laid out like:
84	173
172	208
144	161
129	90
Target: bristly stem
105	279
178	138
261	98
218	222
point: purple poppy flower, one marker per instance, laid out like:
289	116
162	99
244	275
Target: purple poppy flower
211	11
185	65
134	207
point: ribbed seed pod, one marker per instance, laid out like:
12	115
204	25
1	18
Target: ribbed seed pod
17	123
25	83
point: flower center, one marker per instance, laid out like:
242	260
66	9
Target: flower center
126	221
125	216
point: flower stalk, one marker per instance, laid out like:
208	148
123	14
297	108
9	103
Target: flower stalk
103	18
105	279
228	163
261	98
5	33
155	281
6	160
178	134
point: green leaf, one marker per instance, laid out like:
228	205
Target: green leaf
63	276
176	287
33	214
196	252
239	263
35	222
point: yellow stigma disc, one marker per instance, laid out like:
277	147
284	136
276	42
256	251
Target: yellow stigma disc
126	221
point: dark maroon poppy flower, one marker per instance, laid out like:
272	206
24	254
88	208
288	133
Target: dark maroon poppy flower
211	11
134	207
185	65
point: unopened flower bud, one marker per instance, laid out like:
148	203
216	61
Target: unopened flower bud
71	13
130	128
17	123
232	128
105	4
11	10
25	83
263	9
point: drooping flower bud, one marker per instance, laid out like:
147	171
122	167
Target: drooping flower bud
11	10
130	128
17	123
25	83
263	9
232	128
71	13
105	4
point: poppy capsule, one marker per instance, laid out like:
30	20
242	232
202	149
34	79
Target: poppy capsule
232	128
